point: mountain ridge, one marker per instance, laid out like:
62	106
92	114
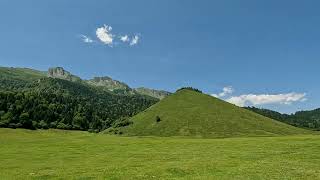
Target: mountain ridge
104	82
107	83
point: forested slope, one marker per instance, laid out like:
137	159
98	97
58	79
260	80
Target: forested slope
29	99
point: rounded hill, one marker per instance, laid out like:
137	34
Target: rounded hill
191	113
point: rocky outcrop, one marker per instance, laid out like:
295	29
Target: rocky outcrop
159	94
108	83
60	73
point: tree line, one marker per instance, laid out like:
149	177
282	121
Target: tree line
190	88
303	119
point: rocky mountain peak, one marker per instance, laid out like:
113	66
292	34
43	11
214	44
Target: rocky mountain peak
59	72
108	83
160	94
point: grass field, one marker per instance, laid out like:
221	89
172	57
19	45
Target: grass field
45	154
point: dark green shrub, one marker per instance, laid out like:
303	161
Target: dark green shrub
122	122
43	125
53	124
158	119
93	131
34	125
3	124
12	125
62	126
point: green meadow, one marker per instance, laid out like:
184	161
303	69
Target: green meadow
56	154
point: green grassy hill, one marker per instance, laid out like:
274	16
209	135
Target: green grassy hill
190	113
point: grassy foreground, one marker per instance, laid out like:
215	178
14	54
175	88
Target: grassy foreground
40	154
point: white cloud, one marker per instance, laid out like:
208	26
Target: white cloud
225	91
86	39
253	99
125	38
259	99
104	35
134	40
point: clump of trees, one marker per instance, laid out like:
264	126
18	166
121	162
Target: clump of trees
190	88
158	119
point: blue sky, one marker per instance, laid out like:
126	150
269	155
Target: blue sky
267	51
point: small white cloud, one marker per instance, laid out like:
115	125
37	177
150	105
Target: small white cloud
125	38
86	39
104	35
253	99
225	91
134	40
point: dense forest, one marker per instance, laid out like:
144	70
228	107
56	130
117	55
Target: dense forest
56	103
304	119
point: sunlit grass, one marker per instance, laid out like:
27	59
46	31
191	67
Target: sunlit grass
189	113
54	154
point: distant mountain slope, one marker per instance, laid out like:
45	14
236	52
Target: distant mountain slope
153	93
21	73
30	99
18	78
305	119
190	113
